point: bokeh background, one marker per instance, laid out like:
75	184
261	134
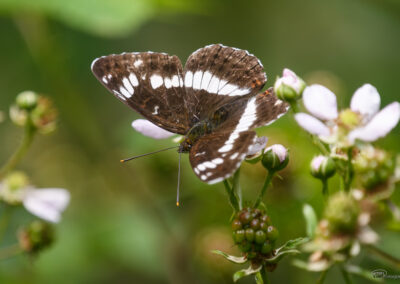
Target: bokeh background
122	225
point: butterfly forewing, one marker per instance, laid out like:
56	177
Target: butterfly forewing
150	83
217	75
214	158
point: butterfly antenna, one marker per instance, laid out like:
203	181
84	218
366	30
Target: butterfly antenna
179	179
135	157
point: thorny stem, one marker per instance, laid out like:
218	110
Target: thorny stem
29	133
264	188
384	255
232	198
322	277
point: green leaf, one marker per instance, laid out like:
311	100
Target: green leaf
245	272
311	220
231	258
291	244
101	17
356	270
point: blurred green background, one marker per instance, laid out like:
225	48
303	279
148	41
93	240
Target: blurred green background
122	225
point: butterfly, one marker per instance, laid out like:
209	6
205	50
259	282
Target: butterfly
214	101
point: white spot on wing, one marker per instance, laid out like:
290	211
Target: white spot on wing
138	63
156	81
240	92
125	92
156	108
168	83
203	177
134	80
175	81
217	161
234	156
206	80
189	79
227	89
104	79
277	103
201	167
215	180
197	79
225	148
127	85
213	86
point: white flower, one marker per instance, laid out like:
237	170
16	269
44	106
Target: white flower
258	146
149	129
362	121
45	203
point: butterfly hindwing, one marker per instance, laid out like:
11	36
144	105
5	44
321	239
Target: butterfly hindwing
250	113
150	83
216	156
217	75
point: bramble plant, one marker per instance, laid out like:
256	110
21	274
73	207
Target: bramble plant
368	178
36	114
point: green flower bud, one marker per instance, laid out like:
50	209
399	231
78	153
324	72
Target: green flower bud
260	237
323	167
255	224
272	233
266	247
245	217
236	225
275	158
249	234
27	100
289	87
245	247
265	219
35	237
239	236
342	213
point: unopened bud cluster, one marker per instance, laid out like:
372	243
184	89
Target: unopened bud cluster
253	233
36	236
36	110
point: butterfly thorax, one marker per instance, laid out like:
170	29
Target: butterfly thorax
201	128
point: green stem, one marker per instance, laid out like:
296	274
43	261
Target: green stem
322	277
384	255
5	219
264	188
232	198
325	190
237	190
320	145
346	275
294	106
10	251
350	171
29	133
264	276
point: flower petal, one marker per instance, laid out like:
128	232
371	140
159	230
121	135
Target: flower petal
366	100
379	126
320	102
311	124
47	203
150	129
257	146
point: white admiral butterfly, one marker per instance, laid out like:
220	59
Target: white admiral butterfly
213	101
